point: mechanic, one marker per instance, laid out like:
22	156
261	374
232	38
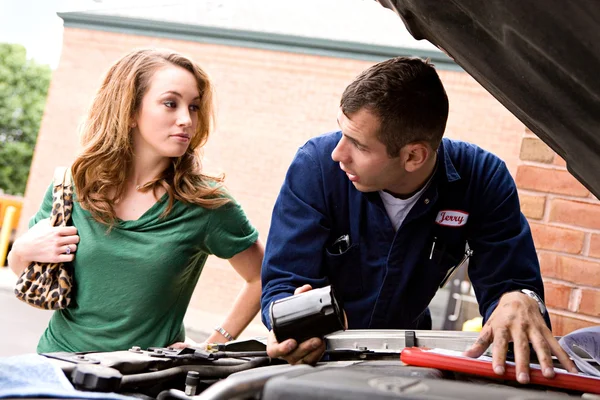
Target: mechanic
385	209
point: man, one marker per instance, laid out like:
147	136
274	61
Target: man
384	209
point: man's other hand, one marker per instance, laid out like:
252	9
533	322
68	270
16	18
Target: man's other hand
517	318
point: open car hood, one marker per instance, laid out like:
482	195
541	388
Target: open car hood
540	59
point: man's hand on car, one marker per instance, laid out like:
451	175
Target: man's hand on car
308	352
517	318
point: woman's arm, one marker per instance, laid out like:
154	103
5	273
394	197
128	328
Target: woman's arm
247	303
43	243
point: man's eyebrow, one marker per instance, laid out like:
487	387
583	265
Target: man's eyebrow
353	140
350	137
173	92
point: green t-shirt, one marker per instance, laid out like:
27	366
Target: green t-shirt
133	284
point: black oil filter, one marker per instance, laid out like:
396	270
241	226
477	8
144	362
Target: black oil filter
315	313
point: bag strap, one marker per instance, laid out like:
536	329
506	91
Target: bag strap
62	179
68	178
60	176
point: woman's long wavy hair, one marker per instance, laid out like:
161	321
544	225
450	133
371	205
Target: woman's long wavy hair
100	170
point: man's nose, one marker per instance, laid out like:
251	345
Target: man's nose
338	154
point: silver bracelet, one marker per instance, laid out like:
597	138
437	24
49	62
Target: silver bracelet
223	332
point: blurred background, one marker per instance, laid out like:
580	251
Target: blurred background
279	69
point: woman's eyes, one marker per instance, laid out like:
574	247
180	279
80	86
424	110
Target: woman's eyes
172	104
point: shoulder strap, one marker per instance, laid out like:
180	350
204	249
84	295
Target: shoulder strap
61	176
61	208
68	178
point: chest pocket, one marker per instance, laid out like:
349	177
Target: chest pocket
344	271
444	256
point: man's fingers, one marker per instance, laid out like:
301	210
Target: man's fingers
560	354
522	356
302	289
481	344
314	356
282	350
277	350
499	349
304	350
543	353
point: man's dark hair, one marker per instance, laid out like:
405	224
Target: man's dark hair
408	98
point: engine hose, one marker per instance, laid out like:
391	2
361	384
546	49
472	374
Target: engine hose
205	371
172	394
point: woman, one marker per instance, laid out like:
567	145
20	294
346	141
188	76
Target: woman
145	217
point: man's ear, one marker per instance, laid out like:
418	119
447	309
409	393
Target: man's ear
415	155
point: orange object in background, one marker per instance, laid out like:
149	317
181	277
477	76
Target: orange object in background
9	200
10	211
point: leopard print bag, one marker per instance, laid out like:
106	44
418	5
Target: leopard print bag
48	285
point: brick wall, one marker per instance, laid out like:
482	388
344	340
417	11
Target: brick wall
565	222
268	104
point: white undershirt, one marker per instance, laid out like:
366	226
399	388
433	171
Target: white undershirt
397	209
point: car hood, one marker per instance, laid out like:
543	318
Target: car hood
540	59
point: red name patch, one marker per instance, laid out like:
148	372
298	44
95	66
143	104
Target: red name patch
451	218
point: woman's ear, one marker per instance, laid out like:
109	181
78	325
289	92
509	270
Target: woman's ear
415	155
133	121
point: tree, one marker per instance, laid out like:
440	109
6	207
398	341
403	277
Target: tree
23	89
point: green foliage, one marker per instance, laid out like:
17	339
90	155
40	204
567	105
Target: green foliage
23	89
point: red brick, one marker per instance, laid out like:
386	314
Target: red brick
570	269
557	295
563	324
558	160
595	245
590	302
578	213
533	149
532	206
554	238
549	180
